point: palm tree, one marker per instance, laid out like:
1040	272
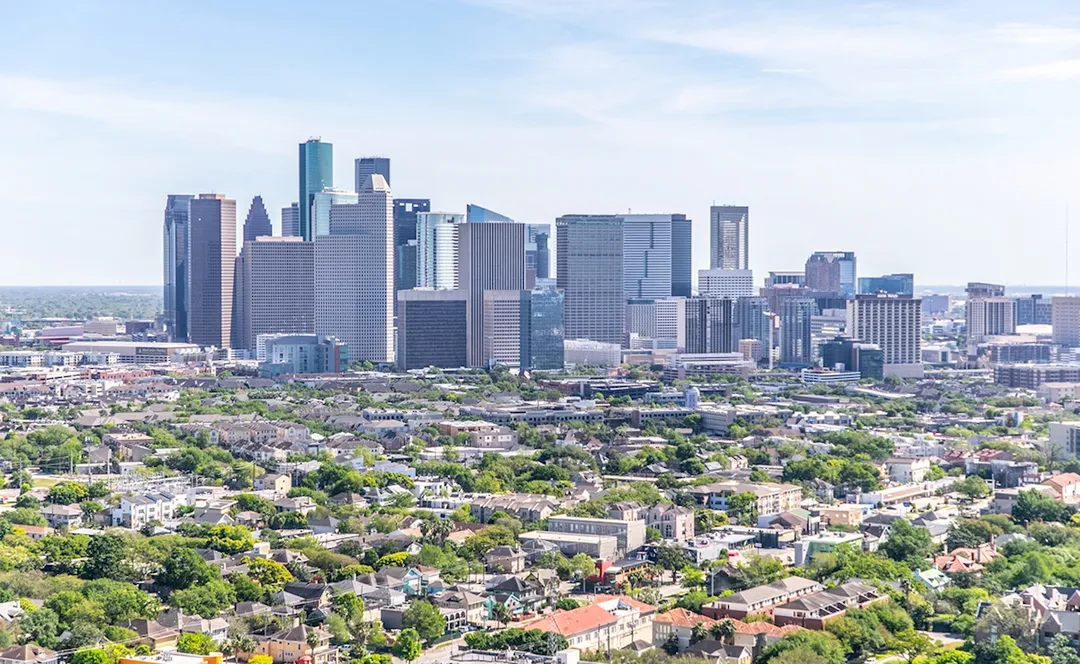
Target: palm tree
698	633
501	613
435	531
723	630
313	641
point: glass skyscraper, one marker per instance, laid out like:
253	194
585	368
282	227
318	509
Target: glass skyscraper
367	166
474	214
316	174
897	284
320	207
176	242
542	329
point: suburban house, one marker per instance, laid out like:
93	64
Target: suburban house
28	654
290	644
610	623
505	559
62	516
905	470
1067	486
137	511
679	623
152	633
275	482
473	605
761	599
720	653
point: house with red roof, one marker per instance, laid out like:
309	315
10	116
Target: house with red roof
611	622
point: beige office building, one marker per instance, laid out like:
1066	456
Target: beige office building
274	289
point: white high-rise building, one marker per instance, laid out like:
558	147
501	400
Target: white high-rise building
437	249
354	274
1065	316
987	317
894	323
729	231
662	320
726	283
647	255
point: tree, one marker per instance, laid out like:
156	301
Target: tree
693	600
806	646
40	627
270	574
671	558
912	645
568	604
207	600
970	533
1033	505
501	613
426	619
94	656
698	633
407	646
245	588
759	570
723	630
339	630
581	564
349	605
742	507
230	540
1008	620
973	487
107	558
196	643
907	544
1004	650
1061	651
435	531
184	568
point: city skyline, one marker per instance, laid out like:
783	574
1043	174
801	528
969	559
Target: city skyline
864	124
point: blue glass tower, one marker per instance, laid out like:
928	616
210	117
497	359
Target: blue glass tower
474	214
898	284
316	174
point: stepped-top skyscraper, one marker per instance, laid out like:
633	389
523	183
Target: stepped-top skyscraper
211	260
729	231
316	174
176	242
490	257
354	268
257	223
367	166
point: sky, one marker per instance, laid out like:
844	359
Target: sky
939	138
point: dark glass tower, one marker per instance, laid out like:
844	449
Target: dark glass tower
681	250
257	223
177	210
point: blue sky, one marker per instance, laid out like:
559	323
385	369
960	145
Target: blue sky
933	137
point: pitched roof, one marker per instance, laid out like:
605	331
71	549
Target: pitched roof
576	621
680	617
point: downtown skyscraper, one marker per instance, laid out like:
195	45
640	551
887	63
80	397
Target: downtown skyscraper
316	174
365	167
354	268
729	235
257	223
274	289
175	233
211	265
589	271
491	257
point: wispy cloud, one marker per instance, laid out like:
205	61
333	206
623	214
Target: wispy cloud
1060	70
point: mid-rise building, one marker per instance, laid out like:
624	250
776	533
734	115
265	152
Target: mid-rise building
796	338
589	261
316	174
211	261
751	320
365	167
847	354
832	272
1034	310
729	234
896	284
543	342
1065	316
437	249
354	267
726	283
709	326
176	256
936	305
1066	437
1032	376
432	329
792	278
894	323
275	289
630	535
290	221
257	223
304	354
492	257
988	317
